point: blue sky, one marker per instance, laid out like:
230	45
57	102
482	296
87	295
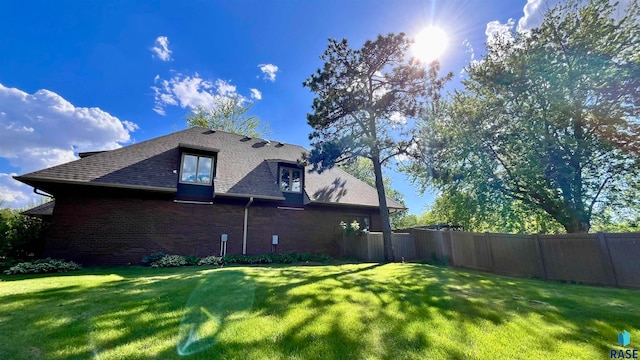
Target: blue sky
92	75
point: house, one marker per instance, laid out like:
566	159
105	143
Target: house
180	193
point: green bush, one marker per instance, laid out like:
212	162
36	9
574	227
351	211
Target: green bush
21	236
191	260
211	260
170	261
148	260
321	258
164	260
288	258
47	265
284	258
239	259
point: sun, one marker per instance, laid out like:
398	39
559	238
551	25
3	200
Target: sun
430	44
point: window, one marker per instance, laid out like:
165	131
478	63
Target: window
291	180
196	169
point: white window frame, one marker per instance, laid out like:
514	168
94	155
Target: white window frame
290	170
213	164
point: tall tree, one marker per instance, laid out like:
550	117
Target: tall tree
363	97
548	118
475	214
229	114
362	168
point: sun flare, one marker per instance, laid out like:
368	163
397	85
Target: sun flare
430	44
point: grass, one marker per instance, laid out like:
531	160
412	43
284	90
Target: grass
361	311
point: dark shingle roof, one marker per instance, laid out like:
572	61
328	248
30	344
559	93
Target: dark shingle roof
245	167
45	209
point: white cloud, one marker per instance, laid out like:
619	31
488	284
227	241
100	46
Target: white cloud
256	94
268	71
496	28
161	48
472	57
14	193
193	91
43	129
534	11
397	120
224	88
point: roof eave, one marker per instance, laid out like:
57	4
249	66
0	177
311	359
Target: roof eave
333	203
248	196
33	181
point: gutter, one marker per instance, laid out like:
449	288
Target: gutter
34	181
329	203
249	196
244	233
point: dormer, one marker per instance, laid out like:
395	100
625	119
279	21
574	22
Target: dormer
197	172
291	181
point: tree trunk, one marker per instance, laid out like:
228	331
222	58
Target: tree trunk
384	210
577	226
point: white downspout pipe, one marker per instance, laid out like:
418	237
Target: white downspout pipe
244	233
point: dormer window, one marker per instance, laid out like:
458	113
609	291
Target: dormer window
290	180
196	169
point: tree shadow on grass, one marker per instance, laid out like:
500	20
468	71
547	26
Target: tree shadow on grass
329	312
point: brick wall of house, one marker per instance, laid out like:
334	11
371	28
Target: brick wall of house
122	230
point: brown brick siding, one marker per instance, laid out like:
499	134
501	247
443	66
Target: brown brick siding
119	230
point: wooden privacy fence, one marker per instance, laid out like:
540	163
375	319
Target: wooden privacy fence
611	259
370	247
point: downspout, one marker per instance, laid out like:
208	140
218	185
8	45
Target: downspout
244	233
39	192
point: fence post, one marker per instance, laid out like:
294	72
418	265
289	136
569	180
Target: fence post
452	253
608	261
487	239
541	256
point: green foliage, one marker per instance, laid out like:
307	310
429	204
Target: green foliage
352	227
170	261
320	258
363	98
164	260
21	237
405	222
211	260
148	260
547	122
609	221
192	260
477	214
229	114
40	266
288	258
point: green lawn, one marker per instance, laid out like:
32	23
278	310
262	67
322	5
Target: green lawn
364	311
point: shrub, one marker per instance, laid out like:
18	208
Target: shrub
164	260
191	260
288	258
170	261
284	258
47	265
321	258
211	260
239	259
148	260
21	236
6	263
